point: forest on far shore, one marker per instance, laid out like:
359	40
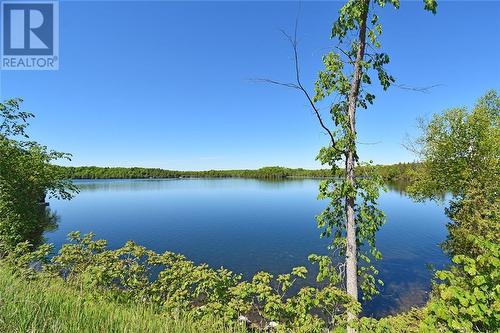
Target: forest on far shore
394	172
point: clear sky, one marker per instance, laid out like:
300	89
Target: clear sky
166	84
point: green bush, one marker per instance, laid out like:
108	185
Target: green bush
468	297
408	322
26	178
173	285
51	306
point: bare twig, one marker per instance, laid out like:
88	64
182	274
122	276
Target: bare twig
293	42
369	143
284	84
298	84
412	145
417	89
351	60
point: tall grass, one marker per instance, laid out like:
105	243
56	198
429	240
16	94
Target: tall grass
51	306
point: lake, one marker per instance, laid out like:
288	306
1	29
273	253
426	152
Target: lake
249	225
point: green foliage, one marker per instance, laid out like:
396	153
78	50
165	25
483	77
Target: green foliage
51	306
431	5
460	153
368	220
171	284
26	178
468	297
347	72
340	192
458	146
26	260
274	172
398	171
408	322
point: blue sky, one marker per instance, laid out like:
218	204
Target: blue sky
167	84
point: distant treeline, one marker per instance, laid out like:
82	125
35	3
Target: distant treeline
398	171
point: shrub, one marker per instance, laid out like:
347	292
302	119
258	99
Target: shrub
468	297
174	285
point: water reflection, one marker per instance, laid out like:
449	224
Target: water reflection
401	186
397	186
156	184
251	225
45	221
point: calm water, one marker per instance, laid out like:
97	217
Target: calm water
252	225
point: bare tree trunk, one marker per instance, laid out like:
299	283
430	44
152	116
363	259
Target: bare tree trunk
351	251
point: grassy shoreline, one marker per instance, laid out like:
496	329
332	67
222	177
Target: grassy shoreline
48	305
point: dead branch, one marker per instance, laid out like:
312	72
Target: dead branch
298	84
424	90
369	143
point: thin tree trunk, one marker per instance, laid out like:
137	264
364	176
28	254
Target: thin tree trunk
351	251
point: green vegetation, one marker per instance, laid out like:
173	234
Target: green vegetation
460	152
92	172
125	275
352	217
26	178
43	302
50	306
467	297
171	284
89	288
395	172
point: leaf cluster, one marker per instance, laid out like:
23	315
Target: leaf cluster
175	285
467	297
27	177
